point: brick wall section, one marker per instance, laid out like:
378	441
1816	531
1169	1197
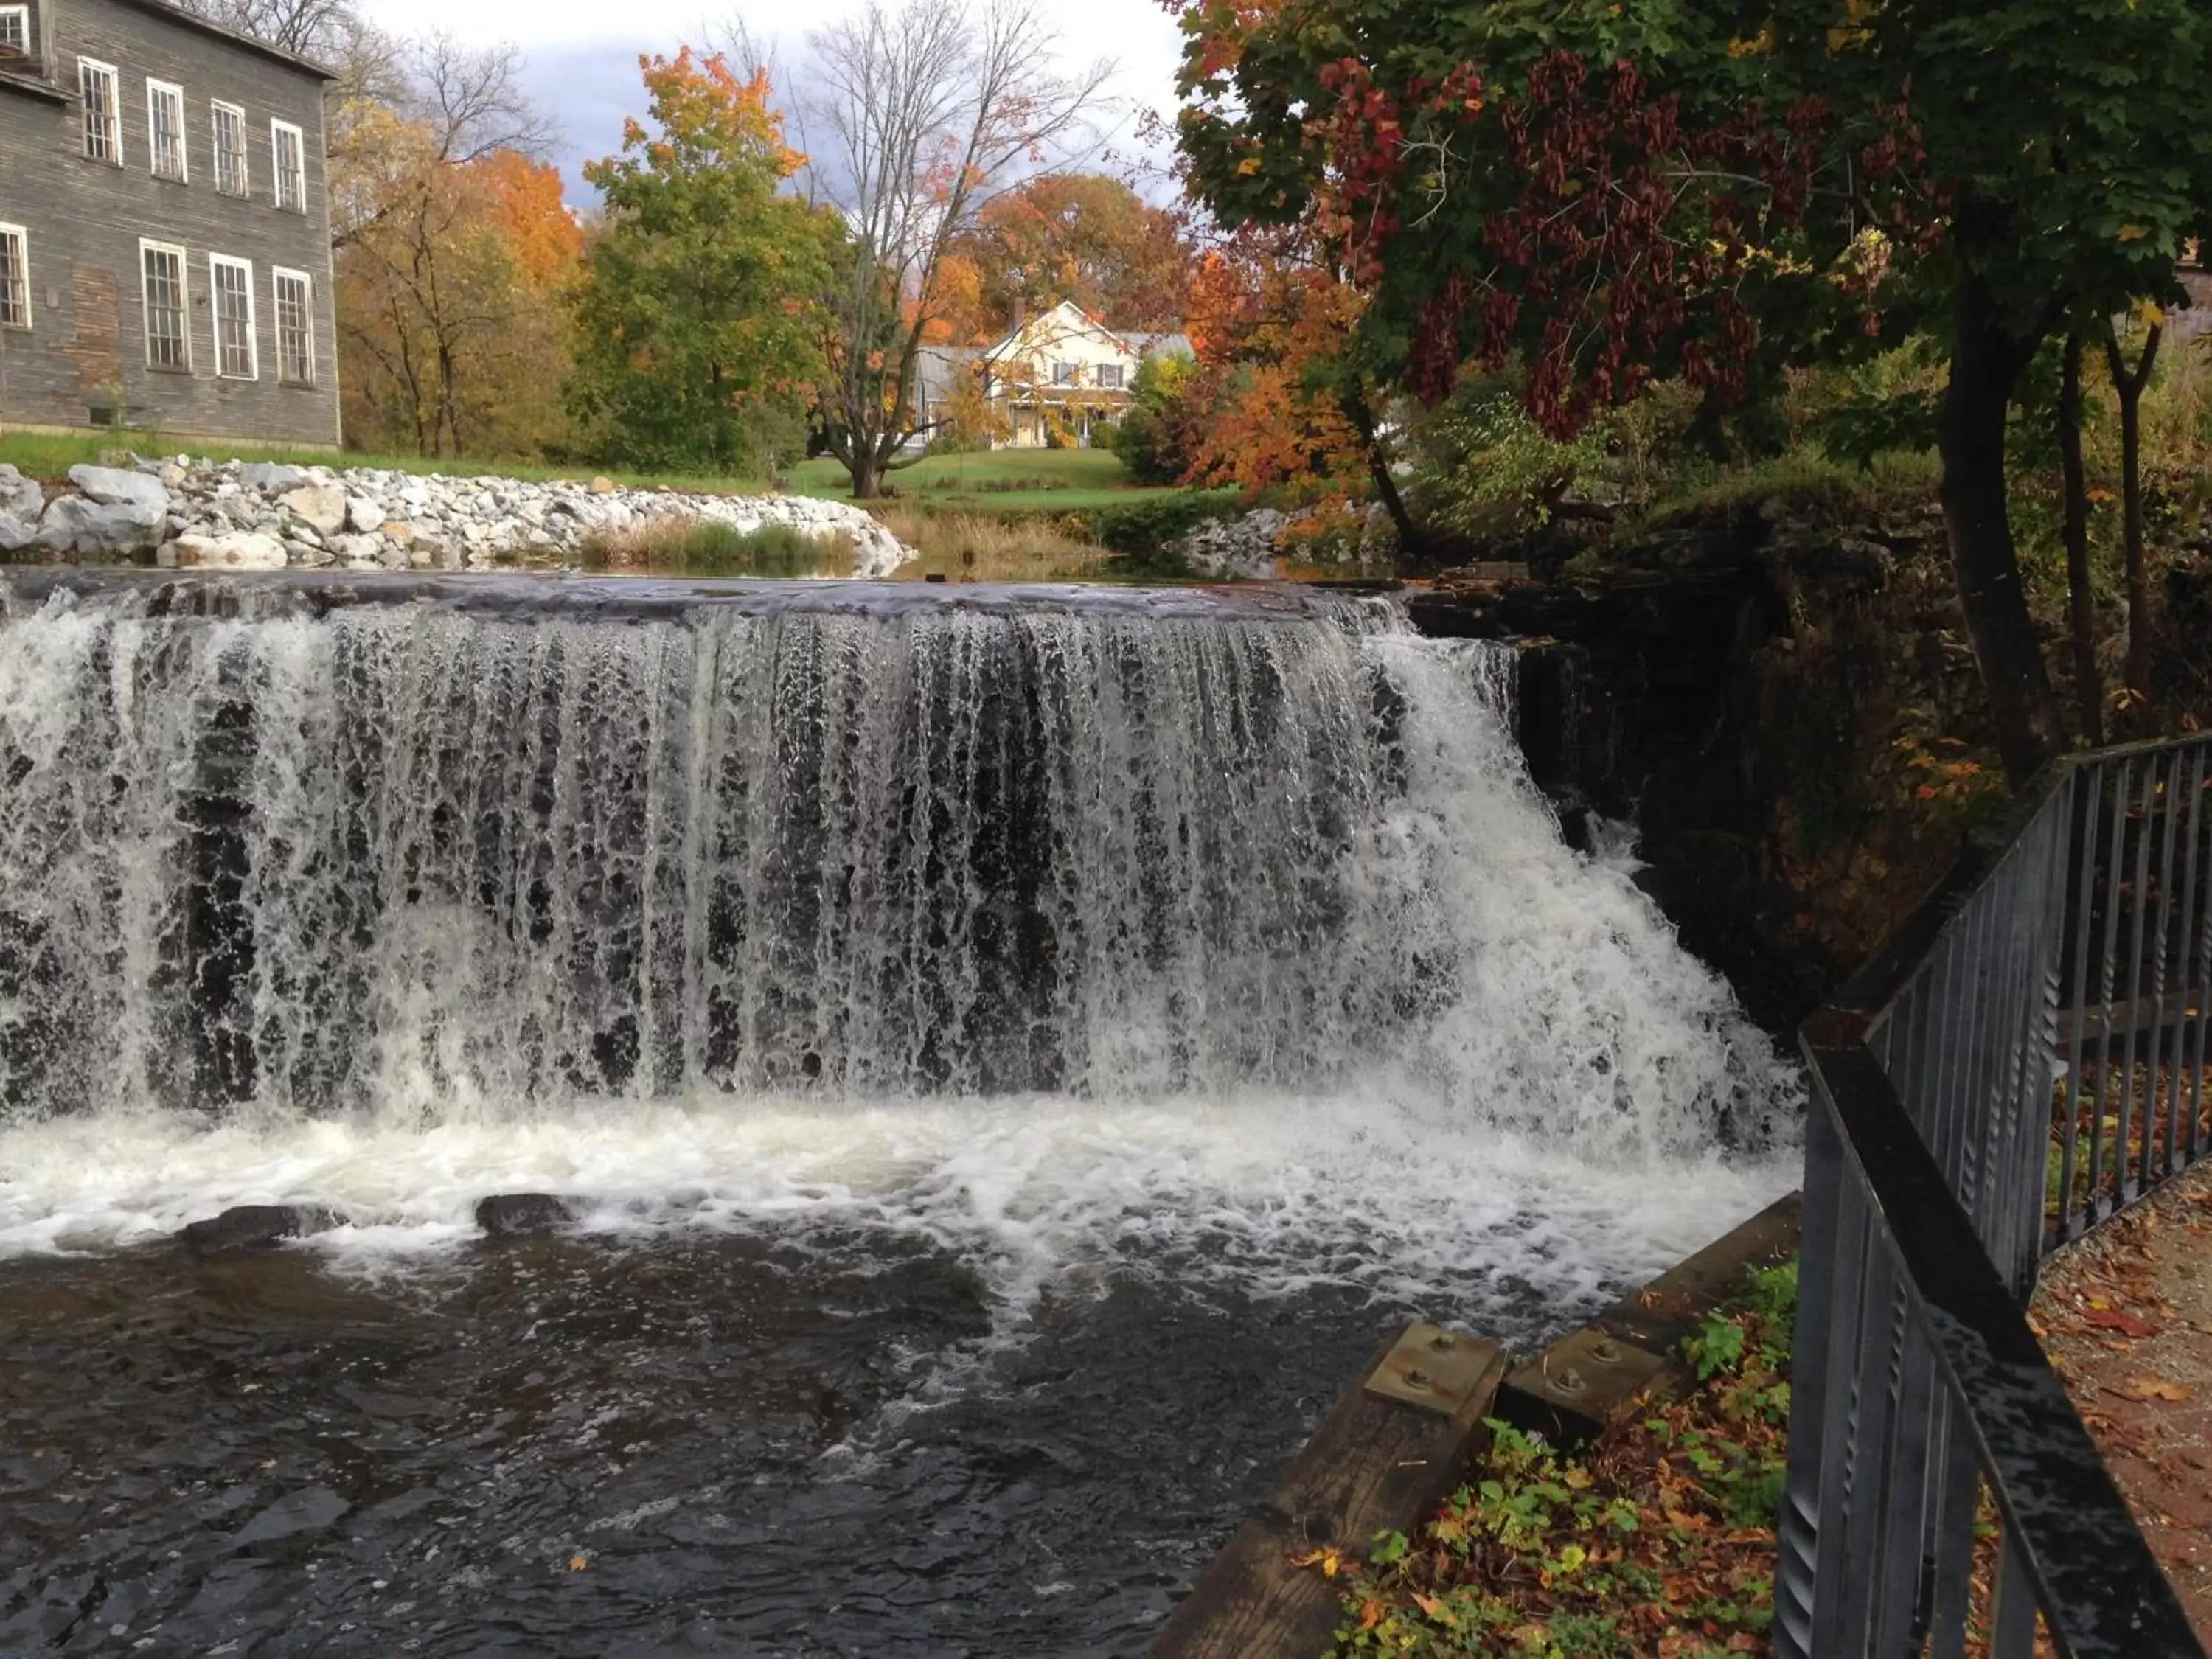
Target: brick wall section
85	220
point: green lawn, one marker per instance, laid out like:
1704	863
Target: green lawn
1012	480
49	457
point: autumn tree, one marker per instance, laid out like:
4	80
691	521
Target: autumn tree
1606	195
698	322
450	295
1083	237
923	113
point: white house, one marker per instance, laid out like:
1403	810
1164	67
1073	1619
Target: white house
1060	373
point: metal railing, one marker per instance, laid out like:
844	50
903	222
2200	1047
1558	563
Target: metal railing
2024	1058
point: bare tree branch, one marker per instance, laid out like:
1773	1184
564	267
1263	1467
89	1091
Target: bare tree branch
928	111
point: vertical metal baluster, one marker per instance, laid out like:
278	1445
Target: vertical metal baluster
2022	1101
2012	1618
1910	1474
2045	991
2138	908
1883	1311
1981	1021
1800	1541
2090	797
2108	972
1844	1467
1955	1537
2155	1090
2197	988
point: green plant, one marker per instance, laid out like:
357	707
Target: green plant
1142	528
709	547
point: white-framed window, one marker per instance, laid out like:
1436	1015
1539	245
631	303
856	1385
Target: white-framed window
99	89
288	150
234	174
168	327
15	31
295	326
1109	377
165	128
1063	373
237	355
15	276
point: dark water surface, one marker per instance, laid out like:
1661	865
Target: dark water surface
263	1455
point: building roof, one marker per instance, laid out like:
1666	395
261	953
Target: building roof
1159	344
935	372
247	42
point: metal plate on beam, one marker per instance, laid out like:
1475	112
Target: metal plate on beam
1591	1373
1434	1369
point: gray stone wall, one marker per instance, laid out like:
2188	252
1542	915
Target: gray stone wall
85	219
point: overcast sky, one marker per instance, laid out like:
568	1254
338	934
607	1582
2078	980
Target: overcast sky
583	54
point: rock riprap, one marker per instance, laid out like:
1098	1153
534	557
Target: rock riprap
261	515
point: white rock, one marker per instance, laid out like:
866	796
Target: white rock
322	506
110	486
238	550
363	516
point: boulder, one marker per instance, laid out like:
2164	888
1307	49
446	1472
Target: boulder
22	502
112	487
78	524
259	1227
514	1215
270	478
363	516
321	506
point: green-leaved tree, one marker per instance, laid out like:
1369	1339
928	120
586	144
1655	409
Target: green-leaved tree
697	333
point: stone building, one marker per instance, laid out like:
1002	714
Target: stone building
165	230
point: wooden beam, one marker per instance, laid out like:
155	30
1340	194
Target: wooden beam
1376	1464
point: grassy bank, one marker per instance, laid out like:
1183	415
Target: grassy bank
1000	483
48	457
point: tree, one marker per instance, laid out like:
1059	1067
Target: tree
1154	438
319	29
1083	237
1608	194
698	322
450	295
929	111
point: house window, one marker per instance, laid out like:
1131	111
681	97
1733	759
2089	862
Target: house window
165	128
15	31
295	328
235	355
1109	377
291	153
232	176
168	345
1063	373
100	92
14	277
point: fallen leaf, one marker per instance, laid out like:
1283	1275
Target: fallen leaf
2111	1319
1327	1560
577	1563
2152	1387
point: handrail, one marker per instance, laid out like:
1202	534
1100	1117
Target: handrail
2062	967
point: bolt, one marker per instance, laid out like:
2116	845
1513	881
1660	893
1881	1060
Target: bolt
1417	1379
1568	1382
1444	1342
1605	1353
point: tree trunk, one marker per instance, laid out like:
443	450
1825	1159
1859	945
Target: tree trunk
1410	541
2088	685
1985	365
2130	386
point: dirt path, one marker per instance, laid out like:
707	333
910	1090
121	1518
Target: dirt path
2127	1318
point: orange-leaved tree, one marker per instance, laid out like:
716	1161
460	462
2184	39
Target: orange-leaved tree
450	284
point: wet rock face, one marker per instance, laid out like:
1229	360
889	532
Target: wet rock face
258	1227
516	1215
195	514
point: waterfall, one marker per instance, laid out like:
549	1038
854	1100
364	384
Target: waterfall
287	859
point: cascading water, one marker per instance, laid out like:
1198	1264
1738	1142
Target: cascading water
1178	947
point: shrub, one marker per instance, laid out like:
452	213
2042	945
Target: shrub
1143	528
1150	437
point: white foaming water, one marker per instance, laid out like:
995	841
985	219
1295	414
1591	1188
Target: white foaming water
1233	945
